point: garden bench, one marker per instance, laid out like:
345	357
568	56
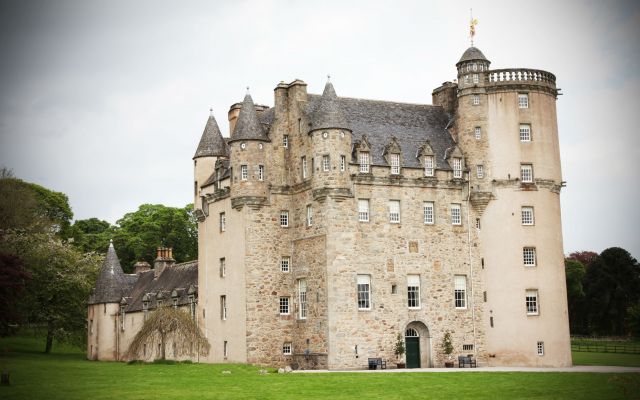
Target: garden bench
466	360
374	362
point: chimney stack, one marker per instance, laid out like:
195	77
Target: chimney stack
140	267
164	259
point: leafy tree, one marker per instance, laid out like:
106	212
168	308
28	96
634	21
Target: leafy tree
575	272
611	287
139	233
13	278
169	324
92	235
585	257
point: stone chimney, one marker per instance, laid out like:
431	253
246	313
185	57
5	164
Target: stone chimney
164	259
140	267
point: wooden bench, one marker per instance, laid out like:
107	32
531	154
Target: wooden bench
467	360
374	362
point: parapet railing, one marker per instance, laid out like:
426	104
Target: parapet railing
521	75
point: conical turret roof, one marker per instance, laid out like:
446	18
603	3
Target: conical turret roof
328	113
212	143
111	281
248	126
472	53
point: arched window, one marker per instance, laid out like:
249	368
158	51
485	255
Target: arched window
411	333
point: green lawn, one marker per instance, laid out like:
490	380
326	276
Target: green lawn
66	375
622	360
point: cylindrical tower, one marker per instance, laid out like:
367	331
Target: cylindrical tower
211	147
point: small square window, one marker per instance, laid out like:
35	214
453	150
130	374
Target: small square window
456	217
529	256
527	216
478	132
523	100
287	349
363	210
540	348
475	99
525	132
285	264
394	211
284	219
526	173
531	301
284	306
428	212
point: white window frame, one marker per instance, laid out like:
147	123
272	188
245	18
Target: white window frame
363	289
475	100
477	131
413	292
244	172
363	210
223	307
394	211
529	256
309	215
304	167
532	302
284	305
285	264
476	77
395	164
302	299
526	173
428	166
456	214
428	212
287	348
527	216
460	292
523	100
223	267
480	171
456	164
326	164
285	141
343	163
364	162
223	222
525	132
260	172
540	348
284	218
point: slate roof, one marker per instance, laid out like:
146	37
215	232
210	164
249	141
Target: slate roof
112	283
211	143
248	126
213	178
328	113
472	53
179	277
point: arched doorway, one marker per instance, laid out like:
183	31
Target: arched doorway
418	345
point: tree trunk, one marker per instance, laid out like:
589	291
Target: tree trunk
162	338
49	344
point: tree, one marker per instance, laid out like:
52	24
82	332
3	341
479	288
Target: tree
92	235
13	278
575	272
169	324
140	232
585	257
611	287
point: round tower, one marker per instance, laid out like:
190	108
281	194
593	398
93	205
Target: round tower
248	160
212	147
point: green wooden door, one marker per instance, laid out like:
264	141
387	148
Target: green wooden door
413	352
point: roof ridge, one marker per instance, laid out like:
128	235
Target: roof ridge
379	101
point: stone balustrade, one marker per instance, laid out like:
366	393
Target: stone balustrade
521	76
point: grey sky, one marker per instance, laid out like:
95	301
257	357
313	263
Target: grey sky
106	100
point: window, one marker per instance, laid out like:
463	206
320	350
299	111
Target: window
475	99
284	219
363	210
523	100
476	78
460	291
480	171
457	167
529	256
527	216
531	300
244	172
223	307
467	347
394	211
364	162
224	349
223	222
304	167
364	292
427	208
343	163
284	306
456	218
309	215
526	173
525	132
285	141
260	172
285	264
478	132
192	306
428	166
395	164
413	291
286	349
223	267
302	298
325	163
540	348
466	78
478	223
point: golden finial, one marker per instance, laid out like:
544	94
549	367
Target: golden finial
472	26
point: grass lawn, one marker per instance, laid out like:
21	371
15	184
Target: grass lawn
65	374
622	360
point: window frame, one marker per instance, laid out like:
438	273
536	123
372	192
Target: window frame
413	292
223	307
394	217
363	291
223	267
429	168
284	218
456	166
529	256
304	167
343	163
244	172
285	264
326	163
525	103
302	299
475	100
456	214
284	305
526	173
480	171
428	210
394	162
222	222
477	131
532	302
287	348
525	213
285	141
363	214
459	293
540	348
525	133
365	162
261	172
309	215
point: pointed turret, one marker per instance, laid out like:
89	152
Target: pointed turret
472	54
328	114
248	126
111	282
212	143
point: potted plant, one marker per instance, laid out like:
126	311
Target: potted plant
447	348
399	350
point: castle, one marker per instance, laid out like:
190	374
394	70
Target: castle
329	225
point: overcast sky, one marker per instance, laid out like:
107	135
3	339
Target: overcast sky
106	100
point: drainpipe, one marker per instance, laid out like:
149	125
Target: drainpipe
473	301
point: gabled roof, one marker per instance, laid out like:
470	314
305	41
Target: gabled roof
112	283
179	277
328	113
248	126
212	144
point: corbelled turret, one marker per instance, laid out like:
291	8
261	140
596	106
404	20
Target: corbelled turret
212	143
328	115
248	126
111	281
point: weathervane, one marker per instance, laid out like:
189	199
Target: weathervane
328	78
472	26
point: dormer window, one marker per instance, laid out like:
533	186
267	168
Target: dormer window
364	162
457	167
395	164
428	166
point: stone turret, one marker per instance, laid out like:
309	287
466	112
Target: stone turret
111	281
212	147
